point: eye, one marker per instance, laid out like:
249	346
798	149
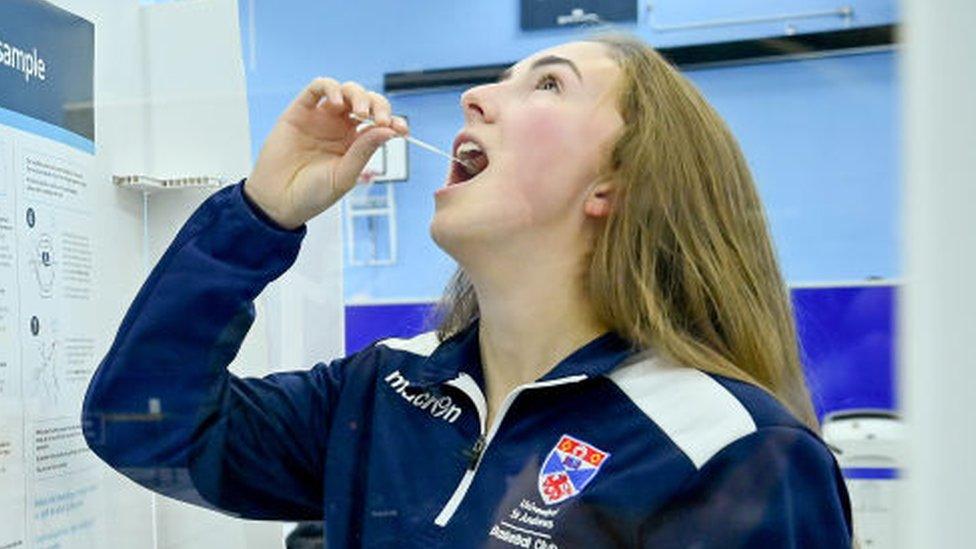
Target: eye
548	79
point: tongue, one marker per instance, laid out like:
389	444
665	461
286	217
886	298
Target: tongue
476	162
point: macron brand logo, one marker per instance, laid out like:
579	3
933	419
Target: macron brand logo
441	407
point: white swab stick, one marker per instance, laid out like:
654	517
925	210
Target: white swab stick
431	148
415	141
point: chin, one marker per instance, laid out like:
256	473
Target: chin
457	236
442	233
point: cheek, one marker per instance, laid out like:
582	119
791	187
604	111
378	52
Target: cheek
549	156
538	136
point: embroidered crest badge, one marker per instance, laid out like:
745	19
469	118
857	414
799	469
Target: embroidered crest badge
568	468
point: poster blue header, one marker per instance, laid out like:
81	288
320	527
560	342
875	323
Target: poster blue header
47	58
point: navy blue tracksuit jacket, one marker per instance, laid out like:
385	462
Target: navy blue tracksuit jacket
611	448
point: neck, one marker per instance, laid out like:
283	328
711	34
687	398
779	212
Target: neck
530	322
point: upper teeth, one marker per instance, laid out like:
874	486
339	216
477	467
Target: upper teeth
468	146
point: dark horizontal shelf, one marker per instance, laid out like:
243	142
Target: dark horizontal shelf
718	53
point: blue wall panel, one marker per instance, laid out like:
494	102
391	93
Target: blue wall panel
821	135
846	336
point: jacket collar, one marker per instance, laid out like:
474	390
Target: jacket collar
462	353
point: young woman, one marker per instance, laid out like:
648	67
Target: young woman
616	362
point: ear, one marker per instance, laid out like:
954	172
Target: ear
599	202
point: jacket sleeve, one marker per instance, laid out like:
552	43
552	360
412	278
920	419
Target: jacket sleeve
163	409
778	487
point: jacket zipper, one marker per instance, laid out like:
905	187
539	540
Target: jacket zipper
467	385
475	452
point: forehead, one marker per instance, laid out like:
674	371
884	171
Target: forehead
592	59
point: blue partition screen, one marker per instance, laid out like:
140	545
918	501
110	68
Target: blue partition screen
846	336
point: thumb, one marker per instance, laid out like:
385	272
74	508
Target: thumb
359	153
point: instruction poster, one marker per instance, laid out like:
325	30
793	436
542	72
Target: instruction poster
49	480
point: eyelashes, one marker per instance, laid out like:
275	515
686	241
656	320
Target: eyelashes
548	78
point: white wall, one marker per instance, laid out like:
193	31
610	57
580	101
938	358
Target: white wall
937	327
197	125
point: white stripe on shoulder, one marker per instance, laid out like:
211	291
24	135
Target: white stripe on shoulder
422	344
693	409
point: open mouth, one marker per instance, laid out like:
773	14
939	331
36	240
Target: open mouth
474	157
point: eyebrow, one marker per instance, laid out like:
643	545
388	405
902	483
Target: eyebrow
547	60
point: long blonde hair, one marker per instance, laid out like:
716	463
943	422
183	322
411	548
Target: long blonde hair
684	263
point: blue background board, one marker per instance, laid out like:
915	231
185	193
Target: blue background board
63	100
846	336
821	135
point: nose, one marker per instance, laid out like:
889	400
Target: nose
475	105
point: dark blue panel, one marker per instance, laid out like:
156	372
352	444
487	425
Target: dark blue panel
368	323
846	333
544	14
871	473
35	35
847	336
